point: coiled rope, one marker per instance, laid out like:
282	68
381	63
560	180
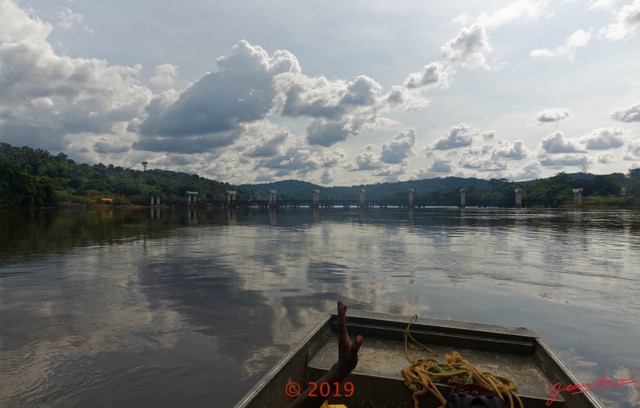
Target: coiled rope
421	375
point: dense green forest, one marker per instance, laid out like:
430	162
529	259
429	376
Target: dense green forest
35	178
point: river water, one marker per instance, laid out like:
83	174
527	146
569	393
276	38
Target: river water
170	308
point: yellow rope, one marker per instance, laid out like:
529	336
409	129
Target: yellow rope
420	375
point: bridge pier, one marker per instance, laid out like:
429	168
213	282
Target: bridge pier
410	198
361	201
231	199
272	198
577	195
518	198
462	197
316	199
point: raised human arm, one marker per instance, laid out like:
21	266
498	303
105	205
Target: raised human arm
347	361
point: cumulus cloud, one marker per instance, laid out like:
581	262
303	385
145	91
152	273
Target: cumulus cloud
632	150
627	23
468	48
557	143
212	112
628	114
164	75
323	132
578	39
367	160
399	96
488	135
458	136
475	158
604	138
322	98
510	151
433	75
338	109
441	166
399	148
45	97
552	115
301	160
68	19
606	158
564	161
268	145
104	147
528	172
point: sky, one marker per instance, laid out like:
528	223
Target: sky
334	93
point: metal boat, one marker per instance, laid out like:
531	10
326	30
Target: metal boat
517	353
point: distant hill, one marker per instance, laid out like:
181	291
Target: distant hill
294	189
285	188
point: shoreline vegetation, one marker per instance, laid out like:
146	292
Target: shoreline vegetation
34	178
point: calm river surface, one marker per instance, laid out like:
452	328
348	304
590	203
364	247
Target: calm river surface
124	308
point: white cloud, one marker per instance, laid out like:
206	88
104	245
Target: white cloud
628	114
604	138
69	19
302	160
441	166
212	112
632	150
399	148
606	158
45	97
164	75
339	109
510	151
458	136
433	75
268	145
367	160
399	96
564	161
552	115
557	143
627	23
468	48
578	39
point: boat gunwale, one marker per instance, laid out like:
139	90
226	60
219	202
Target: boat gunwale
391	324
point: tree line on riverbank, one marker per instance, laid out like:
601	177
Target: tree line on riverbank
36	178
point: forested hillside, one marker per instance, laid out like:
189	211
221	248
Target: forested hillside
35	178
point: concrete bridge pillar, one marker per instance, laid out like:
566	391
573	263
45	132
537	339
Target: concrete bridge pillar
316	199
362	198
272	198
518	198
192	197
410	198
577	196
462	198
231	198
